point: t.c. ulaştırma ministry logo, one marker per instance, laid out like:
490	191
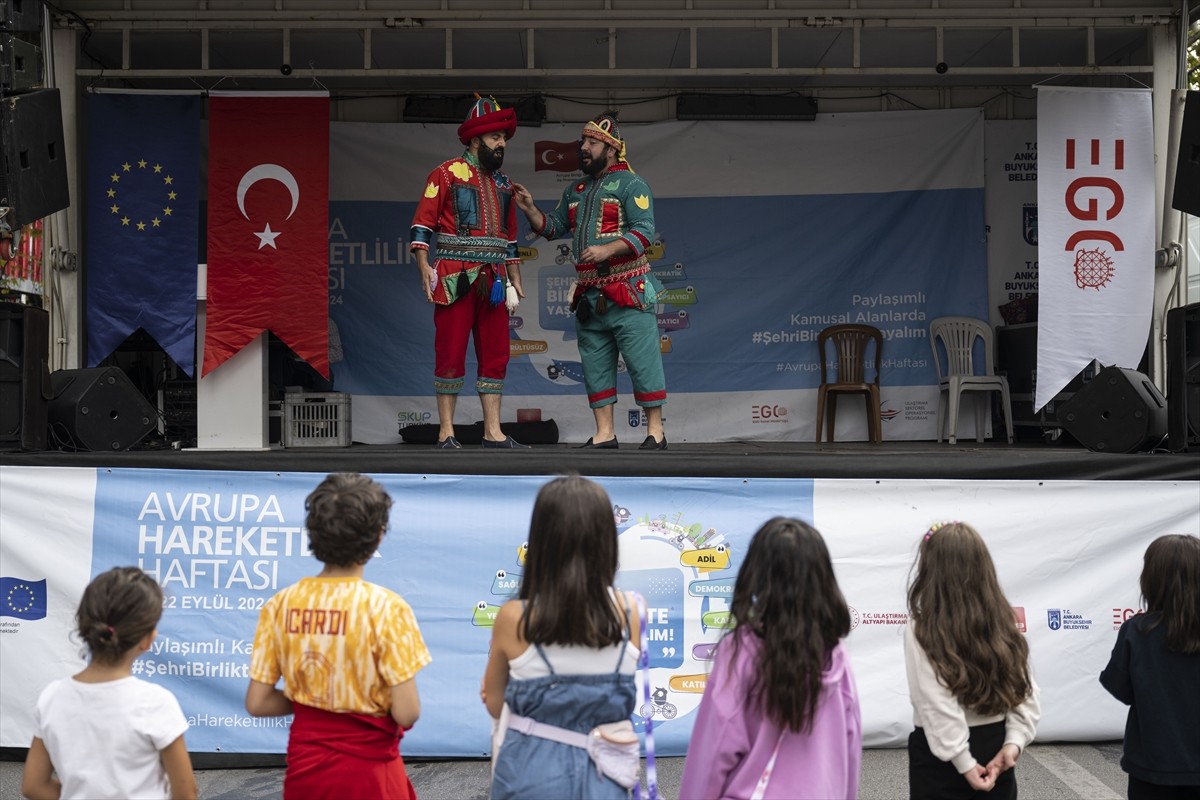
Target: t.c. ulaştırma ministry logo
863	618
22	599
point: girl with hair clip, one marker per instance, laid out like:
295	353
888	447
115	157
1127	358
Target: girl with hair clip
780	716
1155	670
563	655
973	695
104	733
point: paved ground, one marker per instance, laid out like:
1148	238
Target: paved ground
1046	772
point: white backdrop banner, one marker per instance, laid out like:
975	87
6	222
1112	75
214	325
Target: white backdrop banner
767	233
1096	240
221	543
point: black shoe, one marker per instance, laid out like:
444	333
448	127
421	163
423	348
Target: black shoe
507	443
449	443
653	444
609	444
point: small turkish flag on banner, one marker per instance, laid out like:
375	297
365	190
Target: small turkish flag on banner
557	156
268	218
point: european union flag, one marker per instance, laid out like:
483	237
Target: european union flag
143	207
22	599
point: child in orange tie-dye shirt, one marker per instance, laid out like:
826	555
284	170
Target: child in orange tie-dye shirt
348	652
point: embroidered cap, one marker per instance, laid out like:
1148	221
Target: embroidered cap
486	116
604	128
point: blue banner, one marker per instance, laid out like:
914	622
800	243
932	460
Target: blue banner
222	543
143	201
736	313
766	234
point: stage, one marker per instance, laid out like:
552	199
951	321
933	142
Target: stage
967	460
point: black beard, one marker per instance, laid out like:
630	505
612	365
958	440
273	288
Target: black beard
491	159
595	166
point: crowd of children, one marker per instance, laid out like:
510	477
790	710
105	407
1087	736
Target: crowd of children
780	717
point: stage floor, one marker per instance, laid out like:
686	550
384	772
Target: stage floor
966	460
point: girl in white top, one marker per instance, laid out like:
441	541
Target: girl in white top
104	733
973	696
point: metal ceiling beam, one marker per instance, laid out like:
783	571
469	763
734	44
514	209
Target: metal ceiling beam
1014	15
715	72
182	20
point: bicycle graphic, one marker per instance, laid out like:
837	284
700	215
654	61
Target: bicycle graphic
658	705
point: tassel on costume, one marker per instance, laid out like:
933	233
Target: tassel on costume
601	304
583	309
497	296
464	283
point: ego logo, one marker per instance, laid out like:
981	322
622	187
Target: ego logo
761	413
1084	195
1120	615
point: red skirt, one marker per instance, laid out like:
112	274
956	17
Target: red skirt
334	756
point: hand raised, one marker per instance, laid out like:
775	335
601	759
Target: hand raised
523	197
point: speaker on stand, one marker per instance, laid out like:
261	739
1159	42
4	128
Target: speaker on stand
33	163
98	409
1186	196
21	16
24	376
1183	379
1118	411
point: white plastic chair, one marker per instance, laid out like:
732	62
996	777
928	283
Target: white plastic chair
958	336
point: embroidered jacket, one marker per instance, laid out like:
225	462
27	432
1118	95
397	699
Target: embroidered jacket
615	205
470	216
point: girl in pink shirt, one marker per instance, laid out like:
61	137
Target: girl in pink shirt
780	717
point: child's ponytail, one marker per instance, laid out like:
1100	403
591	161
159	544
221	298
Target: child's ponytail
118	609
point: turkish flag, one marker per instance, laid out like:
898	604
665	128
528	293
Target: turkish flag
268	218
557	156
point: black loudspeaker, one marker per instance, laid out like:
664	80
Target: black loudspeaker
33	163
1183	378
97	409
1118	411
20	64
1186	197
24	376
21	16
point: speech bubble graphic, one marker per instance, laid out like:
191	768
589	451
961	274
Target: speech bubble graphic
689	683
706	558
506	583
719	587
484	614
716	619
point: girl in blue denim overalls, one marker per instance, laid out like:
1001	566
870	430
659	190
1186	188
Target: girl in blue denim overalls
562	657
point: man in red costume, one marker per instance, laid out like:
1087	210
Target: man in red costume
467	212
